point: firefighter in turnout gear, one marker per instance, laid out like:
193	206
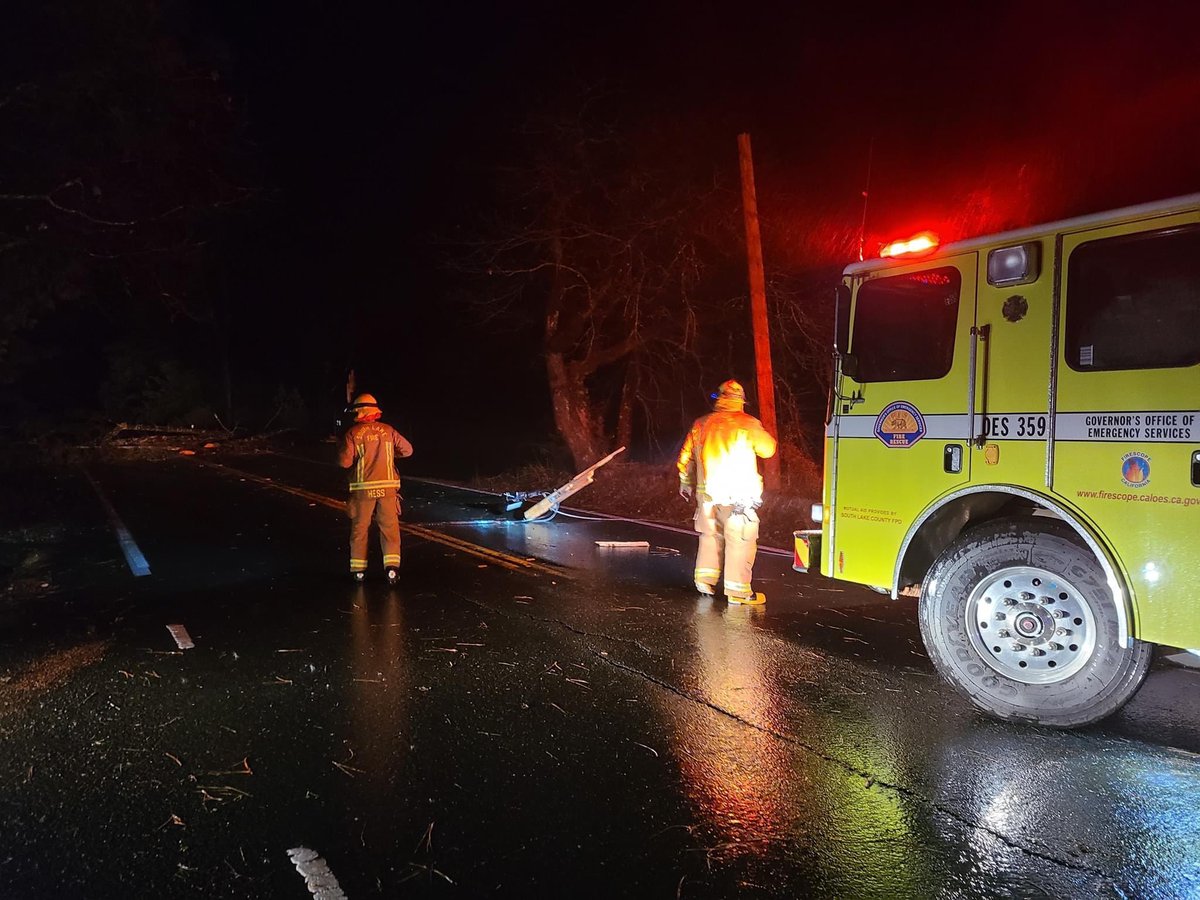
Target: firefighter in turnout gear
718	466
369	450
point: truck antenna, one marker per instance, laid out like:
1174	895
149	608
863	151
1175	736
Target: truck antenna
866	195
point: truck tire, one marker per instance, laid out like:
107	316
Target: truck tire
1017	614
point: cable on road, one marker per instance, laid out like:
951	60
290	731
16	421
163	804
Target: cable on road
602	517
584	518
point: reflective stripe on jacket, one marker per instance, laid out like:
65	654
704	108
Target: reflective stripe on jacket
370	449
720	457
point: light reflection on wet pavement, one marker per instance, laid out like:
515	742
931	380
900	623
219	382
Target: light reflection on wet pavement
479	731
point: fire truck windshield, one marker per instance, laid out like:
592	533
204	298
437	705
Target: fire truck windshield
904	326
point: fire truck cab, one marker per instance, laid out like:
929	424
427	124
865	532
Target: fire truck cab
1015	428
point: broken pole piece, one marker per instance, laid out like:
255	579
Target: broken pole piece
624	545
183	640
572	487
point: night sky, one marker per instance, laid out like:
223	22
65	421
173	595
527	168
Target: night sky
372	137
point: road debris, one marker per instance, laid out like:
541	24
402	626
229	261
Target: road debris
219	793
418	868
623	545
183	640
243	769
425	846
426	842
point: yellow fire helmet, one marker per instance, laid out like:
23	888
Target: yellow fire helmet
366	409
730	396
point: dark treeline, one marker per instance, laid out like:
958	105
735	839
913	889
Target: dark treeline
519	227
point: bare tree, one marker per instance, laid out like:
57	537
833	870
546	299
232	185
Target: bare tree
607	249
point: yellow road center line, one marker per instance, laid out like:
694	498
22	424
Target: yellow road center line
499	557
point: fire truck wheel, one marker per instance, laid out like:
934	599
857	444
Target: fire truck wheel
1017	613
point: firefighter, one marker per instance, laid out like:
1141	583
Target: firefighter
369	448
718	466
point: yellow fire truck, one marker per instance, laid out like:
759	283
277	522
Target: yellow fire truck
1015	428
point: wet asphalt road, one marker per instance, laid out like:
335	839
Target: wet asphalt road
550	720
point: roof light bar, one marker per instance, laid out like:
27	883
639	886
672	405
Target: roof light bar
924	242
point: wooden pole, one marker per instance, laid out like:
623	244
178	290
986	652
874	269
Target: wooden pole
758	307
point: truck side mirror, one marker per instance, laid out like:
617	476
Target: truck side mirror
850	365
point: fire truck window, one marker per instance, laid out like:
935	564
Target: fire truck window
904	326
1134	302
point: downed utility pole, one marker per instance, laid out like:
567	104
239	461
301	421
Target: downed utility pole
758	307
576	484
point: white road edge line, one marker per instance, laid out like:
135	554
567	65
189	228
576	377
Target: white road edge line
319	880
133	554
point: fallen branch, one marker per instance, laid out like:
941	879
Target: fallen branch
243	769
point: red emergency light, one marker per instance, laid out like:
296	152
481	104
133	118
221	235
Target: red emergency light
918	243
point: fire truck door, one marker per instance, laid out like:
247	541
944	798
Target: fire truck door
1127	426
902	425
1012	369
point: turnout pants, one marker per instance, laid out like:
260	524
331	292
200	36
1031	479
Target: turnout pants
383	505
729	538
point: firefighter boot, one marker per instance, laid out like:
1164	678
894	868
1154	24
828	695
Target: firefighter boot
358	577
757	598
393	575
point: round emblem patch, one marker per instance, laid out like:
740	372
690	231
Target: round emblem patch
900	425
1135	469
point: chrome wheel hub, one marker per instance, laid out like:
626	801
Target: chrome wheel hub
1031	625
